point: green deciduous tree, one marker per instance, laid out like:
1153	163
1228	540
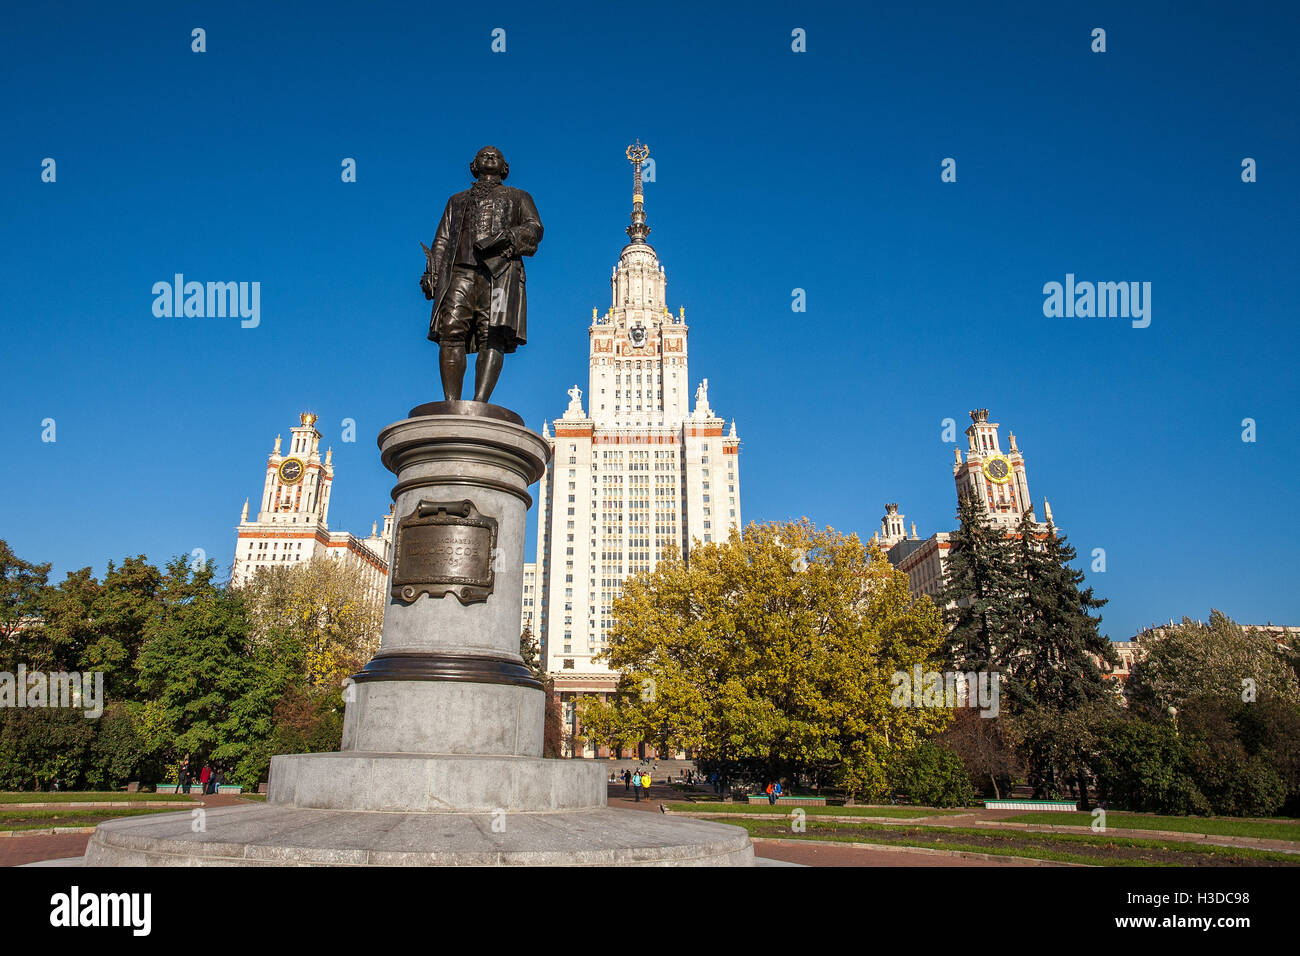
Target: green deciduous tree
42	746
128	599
119	753
1231	756
1193	659
773	652
1142	765
932	775
22	585
1061	746
216	689
323	612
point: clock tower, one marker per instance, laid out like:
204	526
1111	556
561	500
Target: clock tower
297	486
990	475
292	523
994	478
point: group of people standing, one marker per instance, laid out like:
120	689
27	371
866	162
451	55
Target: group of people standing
210	779
638	780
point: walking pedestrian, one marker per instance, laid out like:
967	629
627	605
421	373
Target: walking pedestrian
627	780
205	777
636	784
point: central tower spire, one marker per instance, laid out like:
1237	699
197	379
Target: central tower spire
638	153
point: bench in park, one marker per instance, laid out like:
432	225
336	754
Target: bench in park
1050	806
788	801
196	789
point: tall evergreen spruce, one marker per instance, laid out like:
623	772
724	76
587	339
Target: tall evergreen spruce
979	594
1052	680
1050	661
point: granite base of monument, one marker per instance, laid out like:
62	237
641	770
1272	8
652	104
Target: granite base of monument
441	759
288	836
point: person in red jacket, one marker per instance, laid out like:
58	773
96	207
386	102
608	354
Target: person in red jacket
205	777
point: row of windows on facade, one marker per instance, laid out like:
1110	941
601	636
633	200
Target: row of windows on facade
629	365
640	501
617	456
284	556
654	378
573	460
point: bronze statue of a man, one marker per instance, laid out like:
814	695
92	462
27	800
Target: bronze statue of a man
475	275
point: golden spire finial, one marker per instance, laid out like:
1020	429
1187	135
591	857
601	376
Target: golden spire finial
637	154
307	418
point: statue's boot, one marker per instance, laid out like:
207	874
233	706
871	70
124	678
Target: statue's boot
451	364
486	372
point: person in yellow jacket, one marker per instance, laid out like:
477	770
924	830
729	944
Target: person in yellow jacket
645	784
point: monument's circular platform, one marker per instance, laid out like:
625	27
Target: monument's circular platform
273	835
439	783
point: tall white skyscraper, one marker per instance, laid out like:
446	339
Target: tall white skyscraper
645	465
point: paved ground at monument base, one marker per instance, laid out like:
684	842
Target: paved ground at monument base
813	854
15	851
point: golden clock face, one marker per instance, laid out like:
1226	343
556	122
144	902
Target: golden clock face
291	471
998	469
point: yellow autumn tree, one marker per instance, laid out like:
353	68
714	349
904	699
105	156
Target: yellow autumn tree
773	651
323	610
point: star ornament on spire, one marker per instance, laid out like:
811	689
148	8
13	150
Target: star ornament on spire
638	153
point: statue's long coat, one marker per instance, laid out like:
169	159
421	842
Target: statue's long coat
511	209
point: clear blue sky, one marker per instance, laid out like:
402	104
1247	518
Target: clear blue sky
775	170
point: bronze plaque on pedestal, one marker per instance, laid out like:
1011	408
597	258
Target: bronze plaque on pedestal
441	547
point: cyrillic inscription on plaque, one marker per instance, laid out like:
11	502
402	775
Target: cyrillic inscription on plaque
441	547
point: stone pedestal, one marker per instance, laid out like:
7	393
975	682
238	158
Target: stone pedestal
448	677
442	736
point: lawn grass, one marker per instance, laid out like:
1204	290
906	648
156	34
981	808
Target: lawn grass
88	796
762	809
1094	850
1213	826
77	817
1032	853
